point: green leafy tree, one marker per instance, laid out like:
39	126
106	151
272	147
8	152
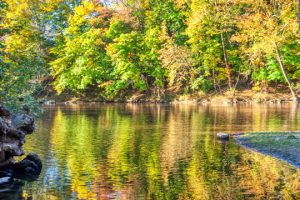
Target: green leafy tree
210	27
168	17
124	46
136	63
82	61
31	27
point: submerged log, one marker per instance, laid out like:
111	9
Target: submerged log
13	129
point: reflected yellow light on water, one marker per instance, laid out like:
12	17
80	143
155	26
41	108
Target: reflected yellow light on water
158	152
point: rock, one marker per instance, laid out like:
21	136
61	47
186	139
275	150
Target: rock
222	136
50	102
291	137
24	123
5	180
13	129
4	111
29	168
277	139
5	174
229	101
204	101
5	177
26	109
12	190
12	148
296	99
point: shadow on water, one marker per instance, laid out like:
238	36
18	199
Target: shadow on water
127	151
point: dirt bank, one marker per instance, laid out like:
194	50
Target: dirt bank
245	96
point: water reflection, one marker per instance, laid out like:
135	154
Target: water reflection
159	152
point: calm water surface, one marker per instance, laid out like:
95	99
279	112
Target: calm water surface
158	152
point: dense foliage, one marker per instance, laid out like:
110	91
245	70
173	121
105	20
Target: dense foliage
123	46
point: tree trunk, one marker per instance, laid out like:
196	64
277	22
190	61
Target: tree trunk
226	61
295	98
214	80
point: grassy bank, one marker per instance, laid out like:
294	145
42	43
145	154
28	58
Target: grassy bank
282	145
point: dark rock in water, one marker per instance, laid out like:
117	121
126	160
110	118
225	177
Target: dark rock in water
6	164
13	129
24	123
5	173
222	136
291	137
29	168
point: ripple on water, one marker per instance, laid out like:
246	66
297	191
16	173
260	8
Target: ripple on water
158	152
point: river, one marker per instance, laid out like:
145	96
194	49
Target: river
132	151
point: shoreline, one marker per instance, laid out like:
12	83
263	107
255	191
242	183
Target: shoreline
244	97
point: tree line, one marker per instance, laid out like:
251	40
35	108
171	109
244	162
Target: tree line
116	47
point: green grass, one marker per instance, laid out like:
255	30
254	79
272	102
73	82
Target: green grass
283	145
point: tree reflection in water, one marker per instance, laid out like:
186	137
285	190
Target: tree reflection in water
128	151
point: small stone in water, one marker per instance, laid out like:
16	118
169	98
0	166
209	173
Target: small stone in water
291	137
222	136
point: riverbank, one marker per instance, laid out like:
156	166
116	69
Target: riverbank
229	97
282	145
